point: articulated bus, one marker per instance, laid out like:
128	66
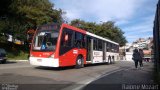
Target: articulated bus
65	45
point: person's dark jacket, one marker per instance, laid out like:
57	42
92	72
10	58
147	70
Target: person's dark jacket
141	54
136	55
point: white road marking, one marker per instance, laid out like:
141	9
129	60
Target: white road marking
82	84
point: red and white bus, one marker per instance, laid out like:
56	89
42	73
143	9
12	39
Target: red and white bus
65	45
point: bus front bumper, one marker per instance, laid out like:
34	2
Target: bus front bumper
48	62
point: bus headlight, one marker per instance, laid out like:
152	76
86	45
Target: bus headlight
31	55
51	56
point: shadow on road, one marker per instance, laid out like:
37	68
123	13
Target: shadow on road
97	64
55	68
9	62
128	76
69	67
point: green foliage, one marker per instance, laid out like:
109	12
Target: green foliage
19	56
15	52
106	30
17	16
35	11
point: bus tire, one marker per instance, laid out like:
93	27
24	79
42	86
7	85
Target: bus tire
79	62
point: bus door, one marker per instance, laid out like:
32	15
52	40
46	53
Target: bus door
89	48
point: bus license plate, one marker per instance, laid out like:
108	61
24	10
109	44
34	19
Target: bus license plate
39	60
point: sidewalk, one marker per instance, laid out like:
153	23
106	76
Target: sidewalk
126	79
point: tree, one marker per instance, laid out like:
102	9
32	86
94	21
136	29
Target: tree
19	15
106	30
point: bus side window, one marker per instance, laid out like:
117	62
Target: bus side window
84	41
117	49
66	41
109	47
111	50
67	38
106	46
95	44
100	45
79	40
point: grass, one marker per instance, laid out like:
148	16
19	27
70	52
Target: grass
21	56
15	52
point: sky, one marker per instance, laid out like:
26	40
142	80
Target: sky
134	17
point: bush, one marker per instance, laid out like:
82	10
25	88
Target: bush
20	56
14	51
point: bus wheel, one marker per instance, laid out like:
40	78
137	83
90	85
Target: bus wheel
79	62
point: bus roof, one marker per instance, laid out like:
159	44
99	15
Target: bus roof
49	26
99	37
74	28
88	33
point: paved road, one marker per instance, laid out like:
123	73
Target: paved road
55	78
131	79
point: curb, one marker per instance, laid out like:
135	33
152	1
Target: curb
19	60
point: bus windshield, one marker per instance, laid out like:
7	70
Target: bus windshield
45	40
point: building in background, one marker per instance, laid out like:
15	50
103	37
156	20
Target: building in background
141	43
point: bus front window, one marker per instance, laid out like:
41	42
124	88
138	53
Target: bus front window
45	40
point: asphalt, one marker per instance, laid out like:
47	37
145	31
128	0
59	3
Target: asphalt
119	76
27	77
126	79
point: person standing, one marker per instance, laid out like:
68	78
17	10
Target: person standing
109	59
124	55
141	59
136	57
